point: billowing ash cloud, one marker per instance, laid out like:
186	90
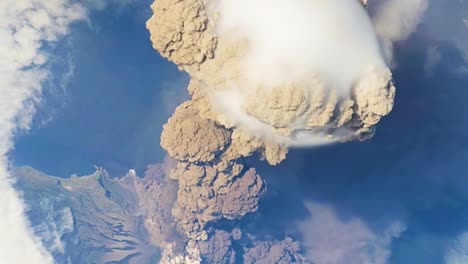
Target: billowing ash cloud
214	184
284	251
295	83
265	76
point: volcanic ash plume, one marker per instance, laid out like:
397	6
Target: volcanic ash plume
213	183
265	76
293	72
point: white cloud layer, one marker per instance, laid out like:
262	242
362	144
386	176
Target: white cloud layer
292	39
25	26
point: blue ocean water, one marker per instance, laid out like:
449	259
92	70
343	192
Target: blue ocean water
115	104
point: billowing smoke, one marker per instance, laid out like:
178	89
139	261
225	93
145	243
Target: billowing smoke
313	80
303	66
265	76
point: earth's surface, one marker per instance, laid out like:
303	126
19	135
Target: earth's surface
96	185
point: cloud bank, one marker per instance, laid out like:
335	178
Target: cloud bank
27	29
25	26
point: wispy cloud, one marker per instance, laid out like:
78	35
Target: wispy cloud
331	239
25	28
396	20
458	253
